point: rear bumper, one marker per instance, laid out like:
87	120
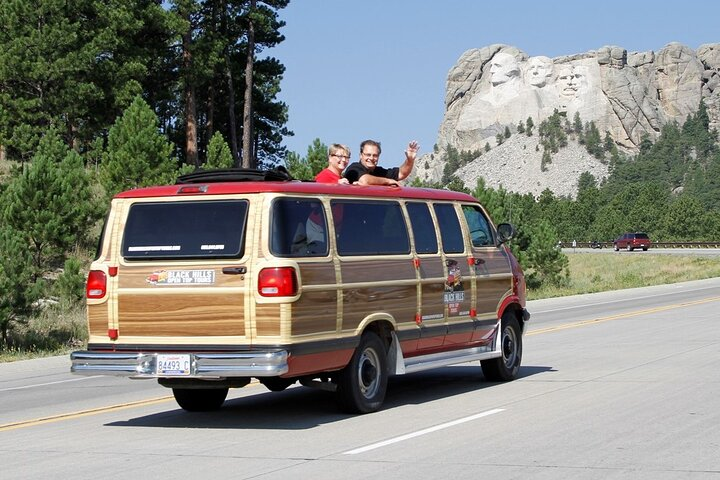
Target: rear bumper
202	365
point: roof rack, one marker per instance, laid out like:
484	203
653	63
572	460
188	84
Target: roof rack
279	174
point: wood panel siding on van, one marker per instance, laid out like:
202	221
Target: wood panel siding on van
315	312
97	315
268	321
147	306
378	286
182	312
494	280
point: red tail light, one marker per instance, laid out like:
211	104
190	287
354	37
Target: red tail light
277	282
96	286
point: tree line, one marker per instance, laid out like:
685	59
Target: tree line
96	98
76	65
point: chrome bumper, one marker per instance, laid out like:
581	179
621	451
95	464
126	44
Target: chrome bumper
202	365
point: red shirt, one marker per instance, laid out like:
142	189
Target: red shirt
327	176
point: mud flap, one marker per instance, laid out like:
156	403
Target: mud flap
396	362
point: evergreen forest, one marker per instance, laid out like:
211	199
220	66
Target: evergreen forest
100	97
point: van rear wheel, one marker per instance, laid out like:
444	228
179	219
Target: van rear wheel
506	367
200	399
362	384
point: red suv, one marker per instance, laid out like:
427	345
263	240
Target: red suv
631	241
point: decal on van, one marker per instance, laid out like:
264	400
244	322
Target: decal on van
454	291
181	277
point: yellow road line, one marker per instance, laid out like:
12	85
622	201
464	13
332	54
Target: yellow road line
620	315
83	413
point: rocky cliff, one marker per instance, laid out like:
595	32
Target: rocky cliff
629	95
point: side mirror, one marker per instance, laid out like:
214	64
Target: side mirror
505	231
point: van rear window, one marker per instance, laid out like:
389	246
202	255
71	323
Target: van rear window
206	229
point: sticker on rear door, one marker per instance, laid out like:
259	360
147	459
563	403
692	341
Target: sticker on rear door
181	277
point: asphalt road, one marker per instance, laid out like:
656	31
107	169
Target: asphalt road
620	385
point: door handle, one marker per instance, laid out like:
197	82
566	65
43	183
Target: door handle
234	270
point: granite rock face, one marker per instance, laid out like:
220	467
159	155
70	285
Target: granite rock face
629	95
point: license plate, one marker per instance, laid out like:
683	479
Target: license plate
173	365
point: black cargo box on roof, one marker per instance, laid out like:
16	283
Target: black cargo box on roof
280	174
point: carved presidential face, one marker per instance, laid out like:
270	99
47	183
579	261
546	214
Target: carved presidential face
539	70
568	81
503	68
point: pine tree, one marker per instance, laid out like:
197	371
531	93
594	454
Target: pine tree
577	124
593	142
297	166
453	161
529	126
17	288
546	263
218	154
545	161
306	168
70	285
609	144
138	154
51	202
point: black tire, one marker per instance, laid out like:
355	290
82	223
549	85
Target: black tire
200	399
507	366
645	249
276	384
362	384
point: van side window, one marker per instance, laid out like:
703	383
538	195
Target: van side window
450	232
298	228
370	228
422	227
480	233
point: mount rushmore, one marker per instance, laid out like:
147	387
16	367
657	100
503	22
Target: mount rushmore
629	95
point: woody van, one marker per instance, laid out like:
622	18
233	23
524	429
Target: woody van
230	276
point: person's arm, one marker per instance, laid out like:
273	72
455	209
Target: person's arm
369	179
410	156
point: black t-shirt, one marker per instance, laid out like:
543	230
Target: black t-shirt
356	170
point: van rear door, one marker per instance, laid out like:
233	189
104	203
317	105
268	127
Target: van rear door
182	272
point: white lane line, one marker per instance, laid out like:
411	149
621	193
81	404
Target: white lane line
49	383
422	432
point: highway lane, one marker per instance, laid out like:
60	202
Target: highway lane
619	384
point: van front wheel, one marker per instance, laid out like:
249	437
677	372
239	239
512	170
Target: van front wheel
200	399
362	384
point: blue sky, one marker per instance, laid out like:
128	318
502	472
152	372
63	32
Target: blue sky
359	69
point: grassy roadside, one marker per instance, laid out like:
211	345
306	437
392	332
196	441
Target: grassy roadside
591	273
58	332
